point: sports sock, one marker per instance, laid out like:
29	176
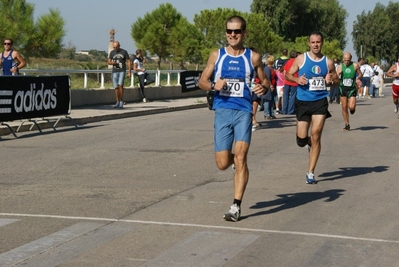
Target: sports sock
238	202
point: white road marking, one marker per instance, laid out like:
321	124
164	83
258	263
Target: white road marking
38	246
205	226
6	221
69	250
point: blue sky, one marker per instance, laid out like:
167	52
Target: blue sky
88	21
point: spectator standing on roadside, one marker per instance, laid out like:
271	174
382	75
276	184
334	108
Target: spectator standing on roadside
270	95
281	60
290	87
280	88
144	77
11	60
334	95
378	69
375	84
367	72
232	69
119	59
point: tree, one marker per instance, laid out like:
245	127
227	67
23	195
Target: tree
41	39
16	21
185	43
259	34
330	49
152	32
46	40
392	10
292	18
374	32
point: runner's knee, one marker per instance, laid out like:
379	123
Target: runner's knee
302	141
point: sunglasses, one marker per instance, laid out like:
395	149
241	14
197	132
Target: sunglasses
236	31
7	43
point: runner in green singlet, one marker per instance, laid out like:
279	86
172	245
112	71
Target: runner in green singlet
348	72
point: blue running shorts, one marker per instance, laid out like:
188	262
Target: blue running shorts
231	125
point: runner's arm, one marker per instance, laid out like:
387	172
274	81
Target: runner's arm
289	75
332	77
391	71
207	73
21	61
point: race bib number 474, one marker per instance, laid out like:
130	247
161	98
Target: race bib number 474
234	88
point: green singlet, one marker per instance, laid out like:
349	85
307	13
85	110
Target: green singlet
347	84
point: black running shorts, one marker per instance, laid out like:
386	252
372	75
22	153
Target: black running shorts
305	109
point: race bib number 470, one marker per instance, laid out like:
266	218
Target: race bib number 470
317	84
234	88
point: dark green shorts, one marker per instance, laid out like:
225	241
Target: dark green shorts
347	91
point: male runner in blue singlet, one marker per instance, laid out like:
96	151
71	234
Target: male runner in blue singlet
315	72
233	68
11	60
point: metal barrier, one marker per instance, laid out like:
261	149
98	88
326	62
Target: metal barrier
102	73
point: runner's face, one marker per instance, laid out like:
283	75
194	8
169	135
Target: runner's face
347	60
234	38
315	43
7	45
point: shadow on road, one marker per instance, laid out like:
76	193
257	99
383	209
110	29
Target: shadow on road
289	201
347	172
276	123
369	128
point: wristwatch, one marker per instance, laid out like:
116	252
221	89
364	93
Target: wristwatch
212	85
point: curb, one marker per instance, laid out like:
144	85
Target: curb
26	125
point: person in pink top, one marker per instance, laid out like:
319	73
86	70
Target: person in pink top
280	88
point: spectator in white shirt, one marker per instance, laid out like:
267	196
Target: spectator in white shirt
375	84
377	68
367	72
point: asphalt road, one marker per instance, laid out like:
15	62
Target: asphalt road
145	191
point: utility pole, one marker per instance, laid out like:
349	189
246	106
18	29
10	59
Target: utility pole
111	43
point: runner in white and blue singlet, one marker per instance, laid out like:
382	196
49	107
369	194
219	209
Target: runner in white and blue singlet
232	69
315	72
11	60
237	94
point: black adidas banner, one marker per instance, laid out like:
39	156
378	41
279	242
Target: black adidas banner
189	80
25	97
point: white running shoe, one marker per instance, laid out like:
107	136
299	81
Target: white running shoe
145	100
310	178
233	214
116	105
121	104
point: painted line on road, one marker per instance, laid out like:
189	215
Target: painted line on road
205	226
46	243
